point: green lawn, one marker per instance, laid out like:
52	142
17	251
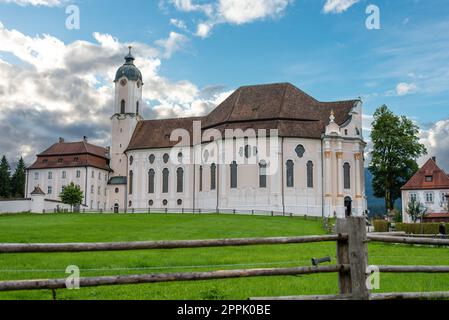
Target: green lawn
105	228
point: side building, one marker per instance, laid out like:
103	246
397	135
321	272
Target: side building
82	163
430	187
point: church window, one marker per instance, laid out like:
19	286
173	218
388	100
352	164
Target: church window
179	202
165	175
201	178
180	180
310	174
262	174
233	175
131	181
290	174
92	189
165	202
166	158
137	107
131	160
151	203
151	175
123	107
300	150
213	176
152	158
347	175
117	190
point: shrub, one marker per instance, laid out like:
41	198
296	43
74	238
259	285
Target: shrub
381	226
420	228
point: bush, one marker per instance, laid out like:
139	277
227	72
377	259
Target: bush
381	226
420	228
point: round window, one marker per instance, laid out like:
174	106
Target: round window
300	150
150	203
166	158
165	202
117	190
179	202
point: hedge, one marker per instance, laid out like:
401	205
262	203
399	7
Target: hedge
420	228
381	226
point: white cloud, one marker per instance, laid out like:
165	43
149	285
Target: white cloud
180	24
47	3
173	43
436	139
66	89
235	12
338	6
404	88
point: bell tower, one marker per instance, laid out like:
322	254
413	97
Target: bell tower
127	108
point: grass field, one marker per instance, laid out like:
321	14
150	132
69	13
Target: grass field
105	228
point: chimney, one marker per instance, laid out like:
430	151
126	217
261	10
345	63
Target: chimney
61	140
434	159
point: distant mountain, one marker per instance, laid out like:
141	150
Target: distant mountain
376	206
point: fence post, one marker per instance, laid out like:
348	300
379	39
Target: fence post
355	252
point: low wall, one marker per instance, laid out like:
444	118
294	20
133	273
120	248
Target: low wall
15	206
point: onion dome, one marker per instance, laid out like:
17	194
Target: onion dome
128	69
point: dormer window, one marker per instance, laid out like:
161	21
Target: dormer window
45	161
60	160
76	159
429	178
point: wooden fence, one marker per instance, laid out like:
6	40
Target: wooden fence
352	263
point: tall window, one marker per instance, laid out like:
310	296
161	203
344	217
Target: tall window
137	107
347	175
78	173
213	176
262	174
234	175
122	107
310	174
151	175
64	175
165	174
180	180
290	174
201	178
50	190
413	197
92	189
50	175
429	197
131	180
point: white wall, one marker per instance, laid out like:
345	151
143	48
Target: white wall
17	206
436	206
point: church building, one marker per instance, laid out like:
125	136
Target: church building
270	148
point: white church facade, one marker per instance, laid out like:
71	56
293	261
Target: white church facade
266	147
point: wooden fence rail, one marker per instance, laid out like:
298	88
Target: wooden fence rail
146	245
408	240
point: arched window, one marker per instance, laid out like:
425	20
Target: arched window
310	174
290	174
137	107
262	174
131	178
180	180
347	175
201	178
165	174
151	175
123	107
234	175
213	176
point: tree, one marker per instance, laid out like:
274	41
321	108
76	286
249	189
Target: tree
396	147
5	179
18	180
72	195
416	210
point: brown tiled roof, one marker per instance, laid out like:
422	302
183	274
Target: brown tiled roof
72	148
440	180
436	215
71	155
279	106
38	191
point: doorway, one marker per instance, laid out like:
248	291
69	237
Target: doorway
116	208
348	207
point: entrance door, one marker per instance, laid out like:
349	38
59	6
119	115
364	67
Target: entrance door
348	206
116	208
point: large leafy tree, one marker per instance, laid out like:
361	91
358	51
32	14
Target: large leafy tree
5	178
18	180
396	147
72	195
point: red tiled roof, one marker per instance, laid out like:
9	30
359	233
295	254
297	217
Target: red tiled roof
436	215
71	155
440	180
279	106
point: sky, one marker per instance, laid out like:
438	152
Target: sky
57	80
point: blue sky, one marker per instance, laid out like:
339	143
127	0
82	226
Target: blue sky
331	55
